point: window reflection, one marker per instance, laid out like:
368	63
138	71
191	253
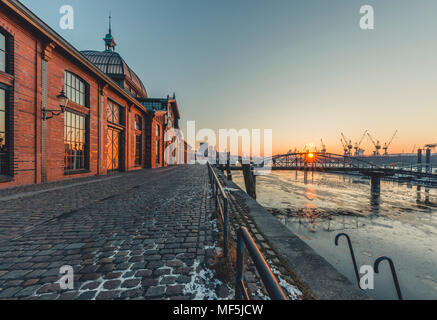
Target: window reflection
75	88
75	143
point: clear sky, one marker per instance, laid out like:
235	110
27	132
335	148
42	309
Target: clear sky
302	68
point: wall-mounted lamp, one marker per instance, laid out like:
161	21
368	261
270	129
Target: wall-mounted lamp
63	104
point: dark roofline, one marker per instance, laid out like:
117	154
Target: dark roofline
57	39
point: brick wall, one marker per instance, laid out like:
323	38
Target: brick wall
25	110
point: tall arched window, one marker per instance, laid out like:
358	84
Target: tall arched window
4	52
4	152
75	89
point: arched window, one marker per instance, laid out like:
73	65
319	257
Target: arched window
75	89
76	146
138	122
4	151
4	51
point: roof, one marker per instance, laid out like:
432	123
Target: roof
155	104
60	42
111	63
161	104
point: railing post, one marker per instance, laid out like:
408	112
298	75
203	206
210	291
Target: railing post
240	266
225	226
216	194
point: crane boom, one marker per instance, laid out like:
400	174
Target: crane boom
362	138
371	139
392	138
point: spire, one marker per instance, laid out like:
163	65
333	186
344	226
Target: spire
109	39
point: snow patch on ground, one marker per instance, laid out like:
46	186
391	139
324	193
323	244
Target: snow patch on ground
292	291
203	286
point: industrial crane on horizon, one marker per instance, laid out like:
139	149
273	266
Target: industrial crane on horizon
377	145
387	145
358	151
345	146
323	146
348	146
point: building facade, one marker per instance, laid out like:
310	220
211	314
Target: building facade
108	125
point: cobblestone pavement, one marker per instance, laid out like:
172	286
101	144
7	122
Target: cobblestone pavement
141	235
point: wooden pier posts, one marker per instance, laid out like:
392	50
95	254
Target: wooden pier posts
249	180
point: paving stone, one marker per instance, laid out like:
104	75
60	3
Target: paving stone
133	293
111	284
155	292
9	292
168	280
144	273
130	283
89	295
108	295
111	230
90	285
175	290
74	246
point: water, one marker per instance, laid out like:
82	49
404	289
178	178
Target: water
401	224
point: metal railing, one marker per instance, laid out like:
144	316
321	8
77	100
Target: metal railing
375	266
221	205
245	240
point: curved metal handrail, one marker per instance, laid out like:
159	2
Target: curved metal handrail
219	192
393	272
357	275
245	240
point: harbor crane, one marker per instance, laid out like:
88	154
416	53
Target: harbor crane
358	151
323	146
387	144
377	145
345	147
348	145
431	146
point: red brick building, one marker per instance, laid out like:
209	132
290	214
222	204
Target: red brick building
110	124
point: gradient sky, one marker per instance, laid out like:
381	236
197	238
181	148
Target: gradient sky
302	68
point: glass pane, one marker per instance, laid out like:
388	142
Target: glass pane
2	99
2	121
68	92
2	142
82	99
2	61
2	42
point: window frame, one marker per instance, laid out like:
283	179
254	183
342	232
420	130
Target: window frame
86	90
86	148
121	114
7	50
7	154
140	122
138	150
158	152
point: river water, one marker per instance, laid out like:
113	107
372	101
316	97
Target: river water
401	223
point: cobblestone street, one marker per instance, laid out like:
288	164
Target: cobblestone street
140	235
